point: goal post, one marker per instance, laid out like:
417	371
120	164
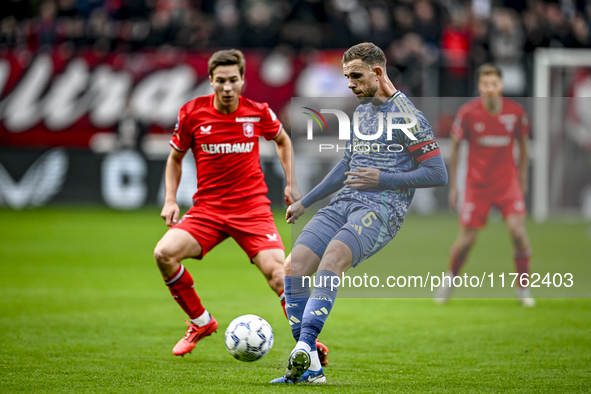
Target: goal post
545	59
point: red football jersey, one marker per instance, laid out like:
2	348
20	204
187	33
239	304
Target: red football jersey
490	138
226	148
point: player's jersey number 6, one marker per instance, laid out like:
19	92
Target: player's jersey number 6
367	220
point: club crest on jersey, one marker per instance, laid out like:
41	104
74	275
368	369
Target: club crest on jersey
248	129
508	120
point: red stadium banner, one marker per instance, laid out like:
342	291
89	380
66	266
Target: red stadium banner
51	99
86	127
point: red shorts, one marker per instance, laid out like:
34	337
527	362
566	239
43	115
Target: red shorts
478	202
253	227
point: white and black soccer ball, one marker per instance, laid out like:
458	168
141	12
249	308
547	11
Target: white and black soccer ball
249	338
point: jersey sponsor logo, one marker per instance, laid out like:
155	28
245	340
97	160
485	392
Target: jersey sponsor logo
248	129
206	130
272	238
508	120
216	149
494	140
479	127
248	119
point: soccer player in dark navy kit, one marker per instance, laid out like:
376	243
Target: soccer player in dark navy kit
366	214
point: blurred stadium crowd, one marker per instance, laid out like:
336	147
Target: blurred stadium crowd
450	36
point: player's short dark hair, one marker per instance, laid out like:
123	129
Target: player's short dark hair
489	69
226	57
367	52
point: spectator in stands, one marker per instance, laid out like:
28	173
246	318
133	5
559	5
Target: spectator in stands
261	26
455	48
507	43
581	32
45	26
462	35
428	23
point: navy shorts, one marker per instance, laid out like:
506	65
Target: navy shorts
364	231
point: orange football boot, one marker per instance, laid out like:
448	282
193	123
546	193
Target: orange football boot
194	334
322	353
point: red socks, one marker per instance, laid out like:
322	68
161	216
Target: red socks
456	260
522	262
181	287
282	300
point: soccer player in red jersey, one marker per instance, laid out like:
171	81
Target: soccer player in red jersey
490	124
222	130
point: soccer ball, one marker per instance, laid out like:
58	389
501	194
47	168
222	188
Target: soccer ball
249	338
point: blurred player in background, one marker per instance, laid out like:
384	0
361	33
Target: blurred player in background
490	124
222	130
367	212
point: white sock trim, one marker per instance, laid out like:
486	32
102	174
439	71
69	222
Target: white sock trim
303	345
176	277
202	320
315	361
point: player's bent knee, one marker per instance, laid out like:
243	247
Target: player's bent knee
337	259
517	231
467	244
518	235
175	246
520	239
467	239
164	256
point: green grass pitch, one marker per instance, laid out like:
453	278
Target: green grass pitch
84	310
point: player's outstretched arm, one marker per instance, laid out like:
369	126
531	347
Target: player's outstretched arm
285	153
172	178
431	173
332	182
